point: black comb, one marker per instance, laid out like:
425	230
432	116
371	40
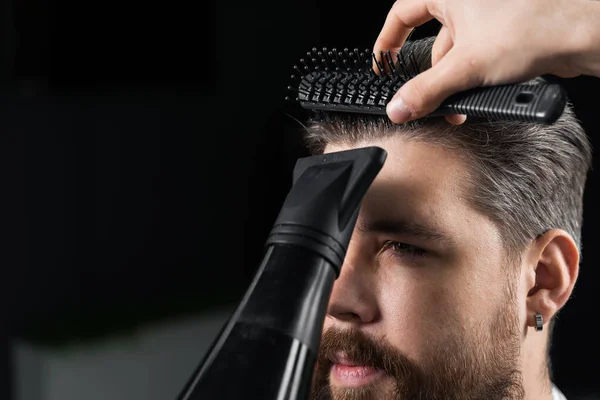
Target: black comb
344	81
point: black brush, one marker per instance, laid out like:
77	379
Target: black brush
345	81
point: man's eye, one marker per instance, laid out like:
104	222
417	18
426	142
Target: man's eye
404	249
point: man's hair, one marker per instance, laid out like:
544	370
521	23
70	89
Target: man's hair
528	178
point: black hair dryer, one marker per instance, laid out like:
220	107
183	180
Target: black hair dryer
268	348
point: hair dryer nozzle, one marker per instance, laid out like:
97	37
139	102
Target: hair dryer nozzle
320	211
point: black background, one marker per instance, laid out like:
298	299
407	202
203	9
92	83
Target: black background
146	149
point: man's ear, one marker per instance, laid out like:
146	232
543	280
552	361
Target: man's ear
555	259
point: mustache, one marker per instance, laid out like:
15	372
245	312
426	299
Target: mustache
365	350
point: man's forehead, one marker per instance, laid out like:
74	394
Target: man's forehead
416	177
419	182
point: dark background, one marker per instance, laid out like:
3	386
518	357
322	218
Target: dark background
146	150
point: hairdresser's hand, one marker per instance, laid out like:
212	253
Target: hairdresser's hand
484	42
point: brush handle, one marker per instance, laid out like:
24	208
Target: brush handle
538	103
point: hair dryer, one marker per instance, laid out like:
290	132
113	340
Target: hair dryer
268	348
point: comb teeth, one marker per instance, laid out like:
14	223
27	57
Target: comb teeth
345	80
349	80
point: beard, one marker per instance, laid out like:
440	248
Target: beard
464	365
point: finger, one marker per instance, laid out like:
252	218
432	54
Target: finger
400	21
456	119
425	92
443	43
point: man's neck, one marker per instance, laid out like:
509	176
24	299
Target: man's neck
536	379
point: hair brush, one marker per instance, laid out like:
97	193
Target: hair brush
346	81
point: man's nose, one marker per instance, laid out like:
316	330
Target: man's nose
354	298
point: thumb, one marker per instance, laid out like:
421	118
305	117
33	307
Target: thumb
425	92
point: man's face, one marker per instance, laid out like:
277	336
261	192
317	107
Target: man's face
425	306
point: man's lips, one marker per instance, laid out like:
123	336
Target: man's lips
346	372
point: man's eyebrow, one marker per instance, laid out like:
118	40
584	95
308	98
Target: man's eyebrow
401	227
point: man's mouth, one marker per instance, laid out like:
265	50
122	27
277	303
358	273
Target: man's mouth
348	373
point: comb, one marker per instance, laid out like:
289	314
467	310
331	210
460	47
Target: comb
345	81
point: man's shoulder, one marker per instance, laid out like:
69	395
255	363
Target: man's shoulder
557	394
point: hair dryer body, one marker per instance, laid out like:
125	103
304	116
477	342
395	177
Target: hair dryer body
268	348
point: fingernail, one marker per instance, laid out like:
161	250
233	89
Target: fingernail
397	110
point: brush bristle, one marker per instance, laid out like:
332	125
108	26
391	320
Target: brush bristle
350	80
354	81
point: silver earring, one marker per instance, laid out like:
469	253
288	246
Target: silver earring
539	322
